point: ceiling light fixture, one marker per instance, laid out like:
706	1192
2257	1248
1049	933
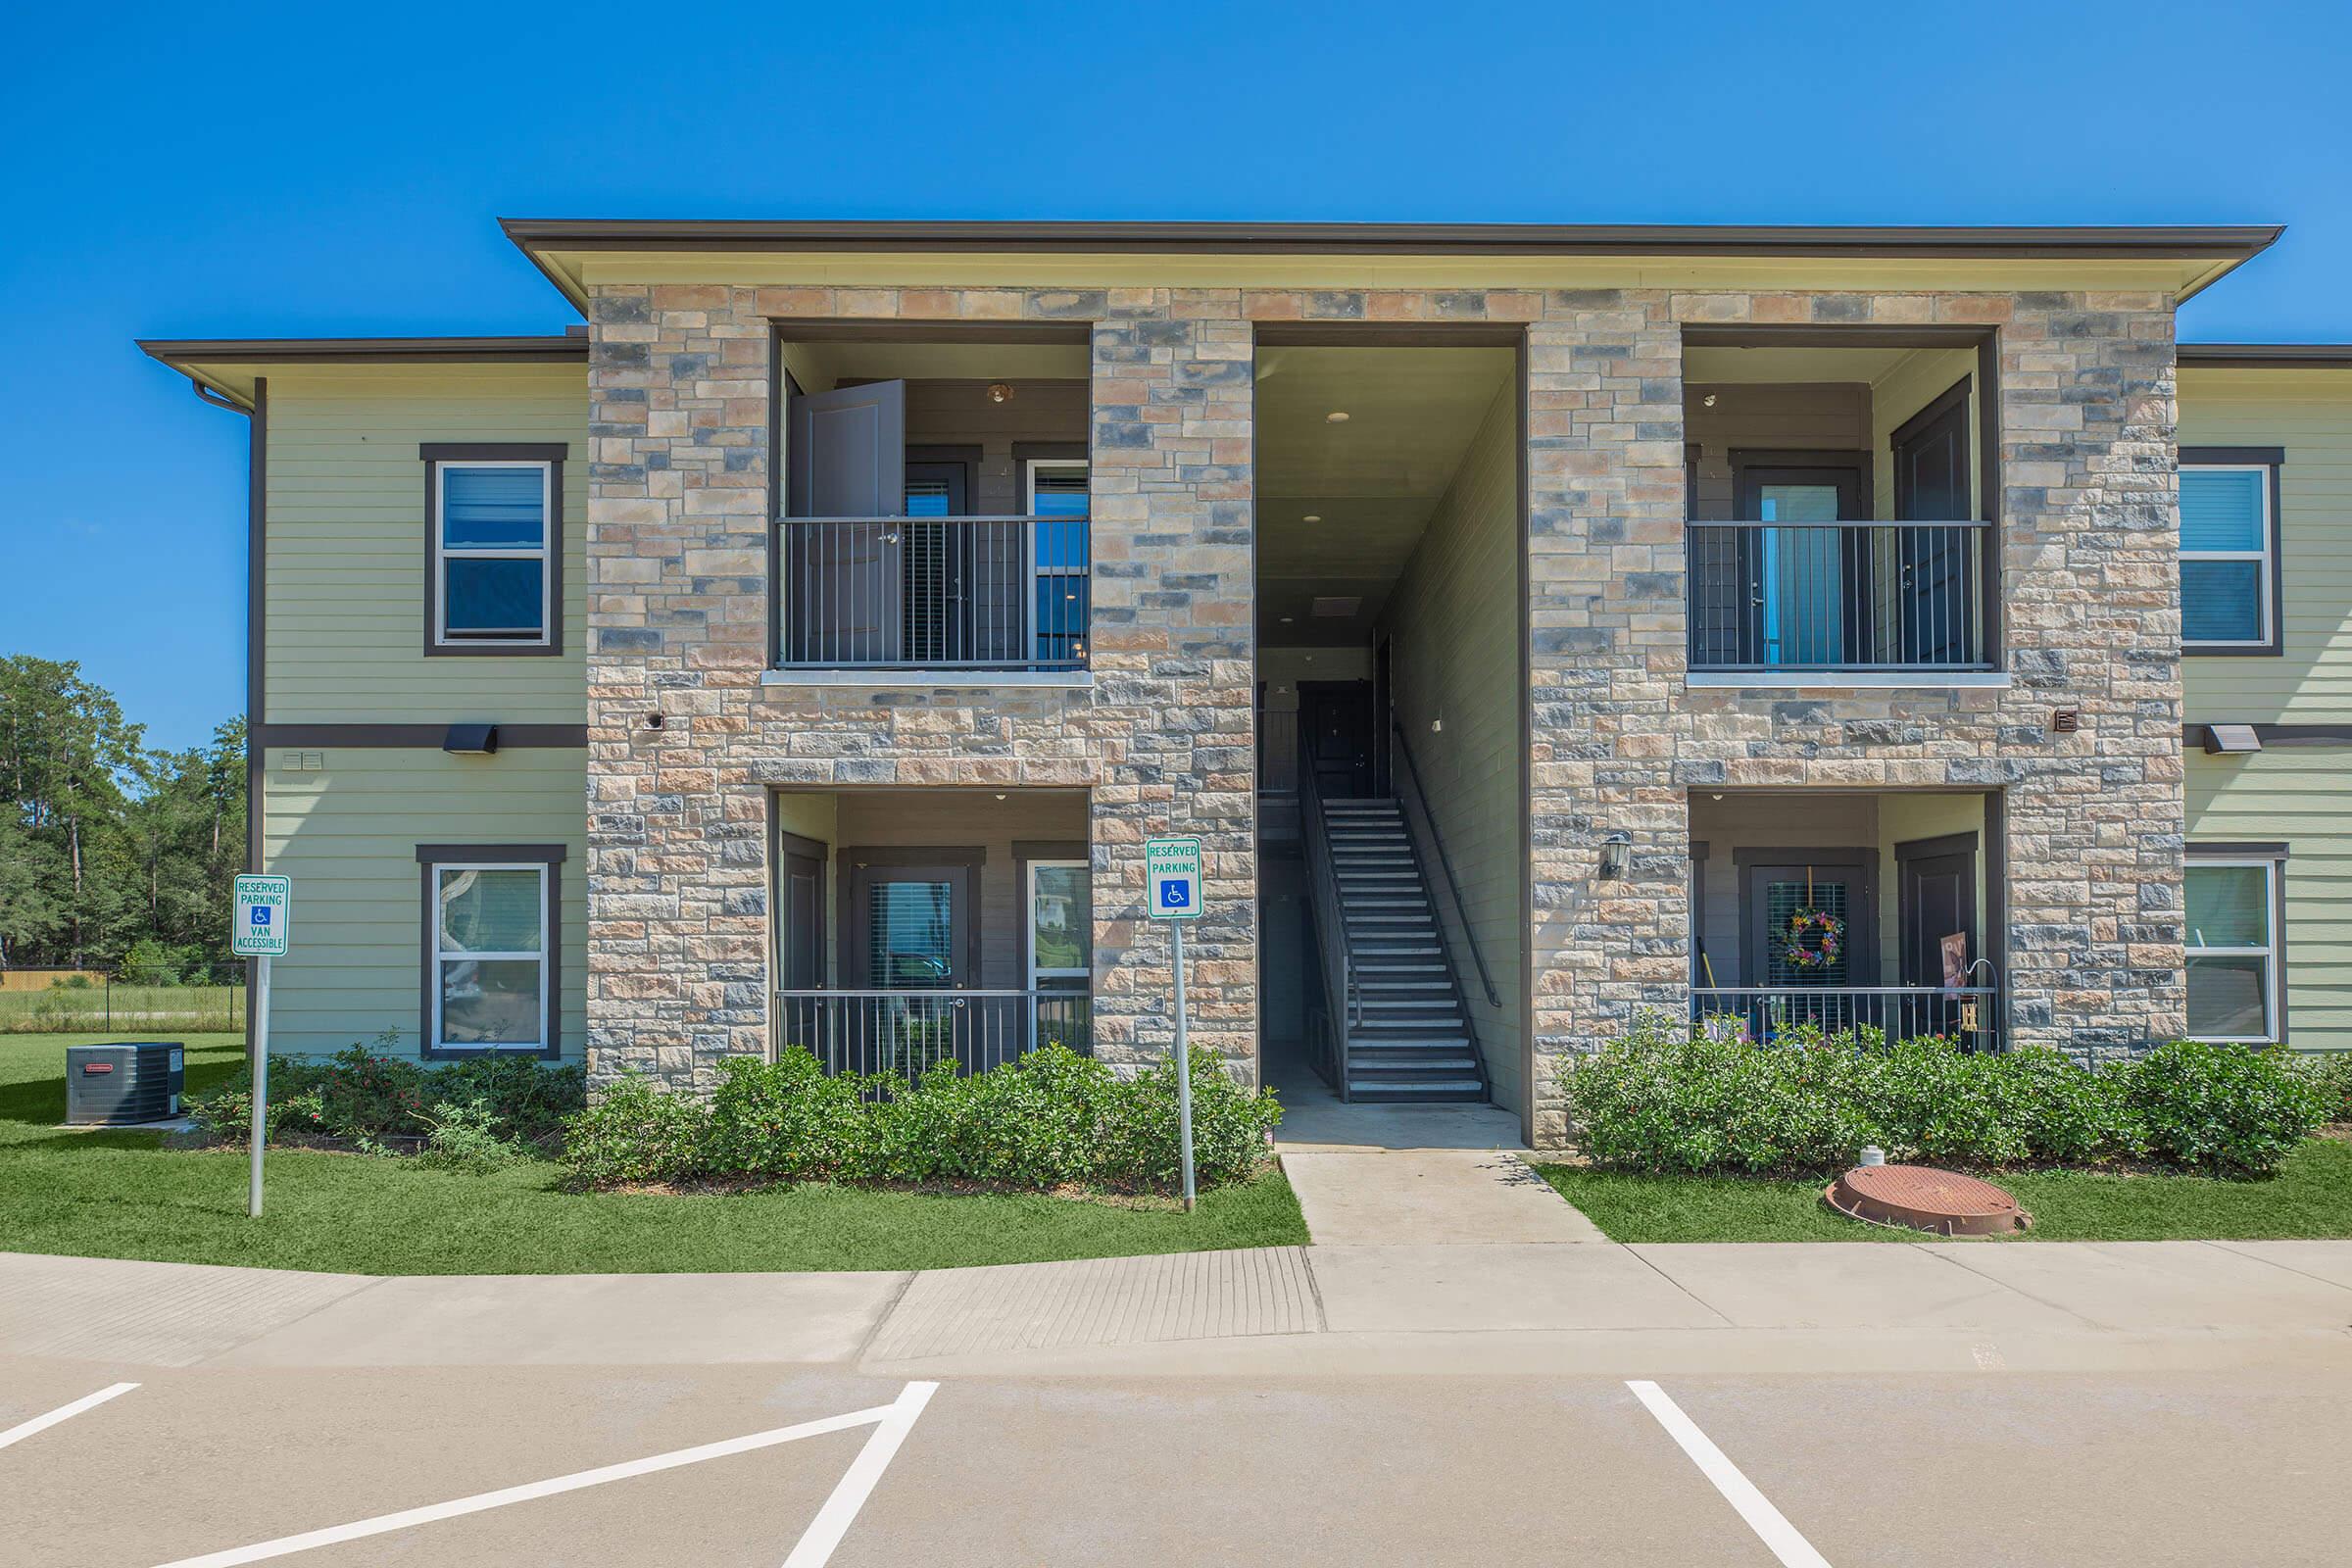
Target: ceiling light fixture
1313	516
1335	416
1000	391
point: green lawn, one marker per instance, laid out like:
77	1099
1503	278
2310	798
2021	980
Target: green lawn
121	1194
2310	1197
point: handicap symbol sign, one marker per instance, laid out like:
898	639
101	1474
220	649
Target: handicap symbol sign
261	914
1172	869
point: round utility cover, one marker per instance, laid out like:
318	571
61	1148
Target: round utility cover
1917	1197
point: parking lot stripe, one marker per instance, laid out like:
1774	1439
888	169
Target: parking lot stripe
1777	1532
64	1412
482	1502
833	1520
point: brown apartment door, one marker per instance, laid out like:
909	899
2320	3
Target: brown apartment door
1936	565
1936	886
1335	718
846	457
800	910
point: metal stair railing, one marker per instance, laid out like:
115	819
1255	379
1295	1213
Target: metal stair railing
1343	991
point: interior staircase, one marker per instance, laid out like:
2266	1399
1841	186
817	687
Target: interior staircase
1404	1032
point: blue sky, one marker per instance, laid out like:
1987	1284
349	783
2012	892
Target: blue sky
239	171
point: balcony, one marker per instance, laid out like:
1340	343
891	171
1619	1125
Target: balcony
1793	597
934	521
912	592
1838	482
909	1032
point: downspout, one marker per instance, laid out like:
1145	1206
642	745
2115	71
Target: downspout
255	569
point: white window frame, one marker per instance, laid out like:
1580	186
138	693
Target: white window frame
1029	922
444	551
441	955
1032	466
2266	572
2272	952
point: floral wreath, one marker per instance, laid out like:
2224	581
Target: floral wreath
1820	954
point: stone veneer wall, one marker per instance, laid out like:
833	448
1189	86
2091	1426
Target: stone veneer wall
677	558
680	386
2089	560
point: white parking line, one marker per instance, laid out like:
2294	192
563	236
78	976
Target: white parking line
64	1412
894	1417
1775	1531
840	1511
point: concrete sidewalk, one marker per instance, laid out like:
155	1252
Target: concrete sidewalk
1353	1308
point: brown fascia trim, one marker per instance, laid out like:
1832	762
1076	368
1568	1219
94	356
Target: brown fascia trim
178	352
2266	355
1490	239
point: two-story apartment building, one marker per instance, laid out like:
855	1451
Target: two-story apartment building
1534	625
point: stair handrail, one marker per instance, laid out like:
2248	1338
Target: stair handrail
1436	845
1343	990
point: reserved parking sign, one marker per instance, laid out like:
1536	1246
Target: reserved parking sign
258	928
1172	878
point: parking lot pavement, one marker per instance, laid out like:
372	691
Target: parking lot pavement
1997	1467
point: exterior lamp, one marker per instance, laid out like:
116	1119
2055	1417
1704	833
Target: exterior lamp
1614	851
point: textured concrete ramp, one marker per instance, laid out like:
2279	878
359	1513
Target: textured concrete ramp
1110	1300
155	1314
1429	1197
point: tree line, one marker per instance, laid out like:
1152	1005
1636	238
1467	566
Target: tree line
112	856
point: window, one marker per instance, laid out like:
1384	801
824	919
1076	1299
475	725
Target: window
2229	564
494	546
1057	497
1060	942
1060	926
2233	942
490	943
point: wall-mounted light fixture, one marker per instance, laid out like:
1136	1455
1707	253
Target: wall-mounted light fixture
1000	391
1615	850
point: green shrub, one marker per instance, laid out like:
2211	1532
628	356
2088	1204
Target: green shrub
1049	1119
2235	1108
1669	1099
464	1136
383	1104
783	1120
225	1113
529	1097
635	1133
2332	1072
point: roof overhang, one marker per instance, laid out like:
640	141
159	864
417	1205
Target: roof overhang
2266	355
575	253
225	368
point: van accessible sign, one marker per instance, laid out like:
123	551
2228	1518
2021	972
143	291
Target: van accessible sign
1172	878
263	910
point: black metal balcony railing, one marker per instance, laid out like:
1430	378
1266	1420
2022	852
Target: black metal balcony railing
927	593
1969	1015
909	1032
1838	596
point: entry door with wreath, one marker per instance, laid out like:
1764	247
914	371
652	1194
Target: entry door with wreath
1809	917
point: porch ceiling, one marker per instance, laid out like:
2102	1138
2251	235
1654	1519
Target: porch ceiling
1373	480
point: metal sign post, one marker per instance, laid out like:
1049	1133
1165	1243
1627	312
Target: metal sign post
1172	887
258	931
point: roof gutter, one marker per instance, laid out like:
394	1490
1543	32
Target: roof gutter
2234	243
2268	356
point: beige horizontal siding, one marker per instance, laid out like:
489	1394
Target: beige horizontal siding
347	532
2296	795
2309	414
347	834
